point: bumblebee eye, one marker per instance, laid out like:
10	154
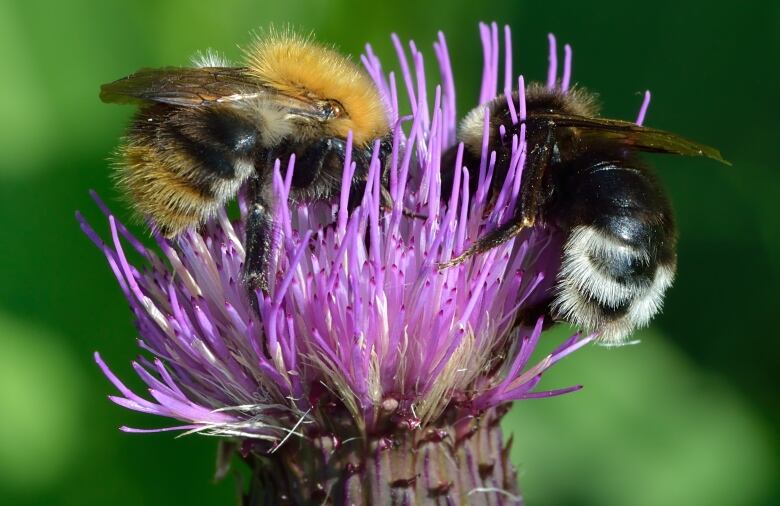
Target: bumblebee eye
334	109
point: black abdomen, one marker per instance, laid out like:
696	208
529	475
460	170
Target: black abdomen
619	257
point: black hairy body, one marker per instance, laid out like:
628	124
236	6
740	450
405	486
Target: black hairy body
584	178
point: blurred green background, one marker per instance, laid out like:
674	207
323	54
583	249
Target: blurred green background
688	417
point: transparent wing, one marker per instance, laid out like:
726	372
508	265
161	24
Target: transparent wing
192	87
184	86
630	135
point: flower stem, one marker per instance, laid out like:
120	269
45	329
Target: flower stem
460	462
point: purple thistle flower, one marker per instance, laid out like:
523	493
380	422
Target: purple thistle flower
361	333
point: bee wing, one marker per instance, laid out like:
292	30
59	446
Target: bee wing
181	86
192	87
631	135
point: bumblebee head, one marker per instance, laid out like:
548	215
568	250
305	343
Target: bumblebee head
298	67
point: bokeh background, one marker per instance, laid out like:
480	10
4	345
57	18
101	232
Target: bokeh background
687	417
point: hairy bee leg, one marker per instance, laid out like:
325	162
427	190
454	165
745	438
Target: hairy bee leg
258	240
258	247
525	211
487	242
317	157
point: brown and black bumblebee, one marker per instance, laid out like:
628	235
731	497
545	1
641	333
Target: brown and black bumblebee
201	133
583	178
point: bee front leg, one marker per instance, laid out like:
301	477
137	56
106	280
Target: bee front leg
259	226
320	158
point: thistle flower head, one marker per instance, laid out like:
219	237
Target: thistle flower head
361	331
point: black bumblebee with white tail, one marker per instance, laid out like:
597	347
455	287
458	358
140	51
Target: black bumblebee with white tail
583	176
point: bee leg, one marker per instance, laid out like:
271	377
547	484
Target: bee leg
492	239
525	210
259	225
325	156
